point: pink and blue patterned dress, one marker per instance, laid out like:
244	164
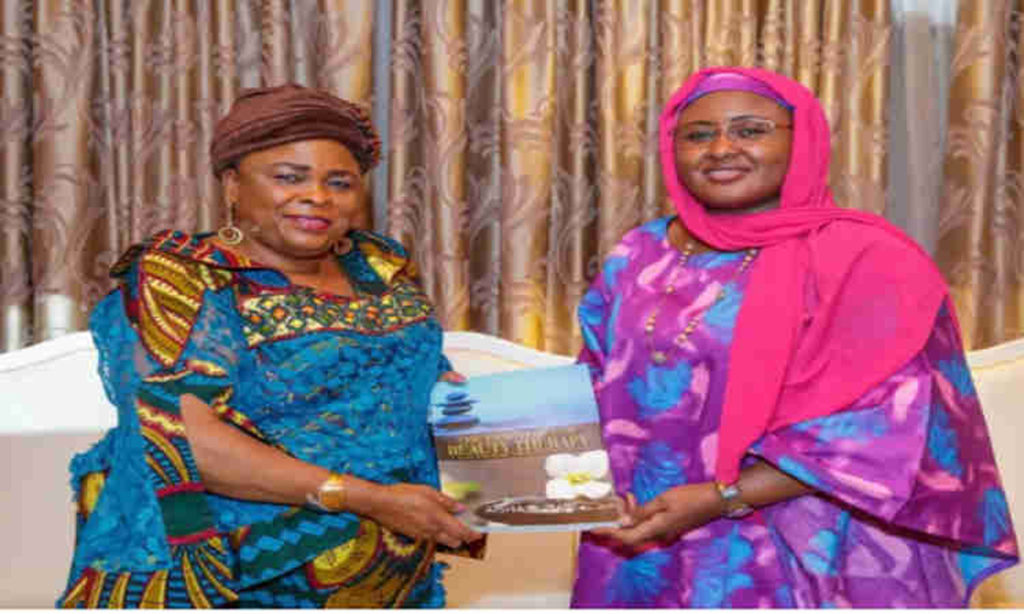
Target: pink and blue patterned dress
908	510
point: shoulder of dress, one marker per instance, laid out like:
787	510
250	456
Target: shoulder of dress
386	256
164	280
656	229
646	236
173	243
635	242
379	241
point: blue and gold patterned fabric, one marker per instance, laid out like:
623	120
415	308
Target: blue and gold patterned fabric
341	382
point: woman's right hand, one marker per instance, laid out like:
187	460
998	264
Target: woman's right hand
237	465
414	510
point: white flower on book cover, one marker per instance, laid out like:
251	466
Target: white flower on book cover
577	475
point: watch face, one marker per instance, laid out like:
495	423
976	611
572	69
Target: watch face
734	506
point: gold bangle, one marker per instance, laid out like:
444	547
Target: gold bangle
330	496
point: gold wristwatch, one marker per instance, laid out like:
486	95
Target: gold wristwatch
735	507
330	496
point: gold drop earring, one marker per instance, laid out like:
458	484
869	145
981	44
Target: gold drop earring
229	233
342	246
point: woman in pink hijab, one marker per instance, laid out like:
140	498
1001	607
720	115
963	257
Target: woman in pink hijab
783	389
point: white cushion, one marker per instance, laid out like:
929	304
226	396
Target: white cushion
998	374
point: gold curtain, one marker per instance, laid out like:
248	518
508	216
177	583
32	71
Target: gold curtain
108	110
523	133
980	247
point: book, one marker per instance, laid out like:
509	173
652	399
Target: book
522	451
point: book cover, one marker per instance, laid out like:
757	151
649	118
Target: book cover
522	451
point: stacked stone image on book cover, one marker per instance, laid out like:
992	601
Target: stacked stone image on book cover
522	451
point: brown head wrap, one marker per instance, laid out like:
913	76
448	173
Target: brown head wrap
267	117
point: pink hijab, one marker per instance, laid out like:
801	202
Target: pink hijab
838	299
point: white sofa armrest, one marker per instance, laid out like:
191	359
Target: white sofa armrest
998	374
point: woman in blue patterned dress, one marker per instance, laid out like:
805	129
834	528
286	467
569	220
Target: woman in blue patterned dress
272	383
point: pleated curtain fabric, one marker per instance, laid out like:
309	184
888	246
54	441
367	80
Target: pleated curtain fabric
980	247
523	133
520	135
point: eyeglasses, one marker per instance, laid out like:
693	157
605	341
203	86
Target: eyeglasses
739	131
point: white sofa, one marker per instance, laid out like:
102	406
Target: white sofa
53	406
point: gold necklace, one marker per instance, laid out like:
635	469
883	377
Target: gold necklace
659	357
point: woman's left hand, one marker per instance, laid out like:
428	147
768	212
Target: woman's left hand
453	377
669	515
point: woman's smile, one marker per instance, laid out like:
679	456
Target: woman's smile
726	174
309	223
